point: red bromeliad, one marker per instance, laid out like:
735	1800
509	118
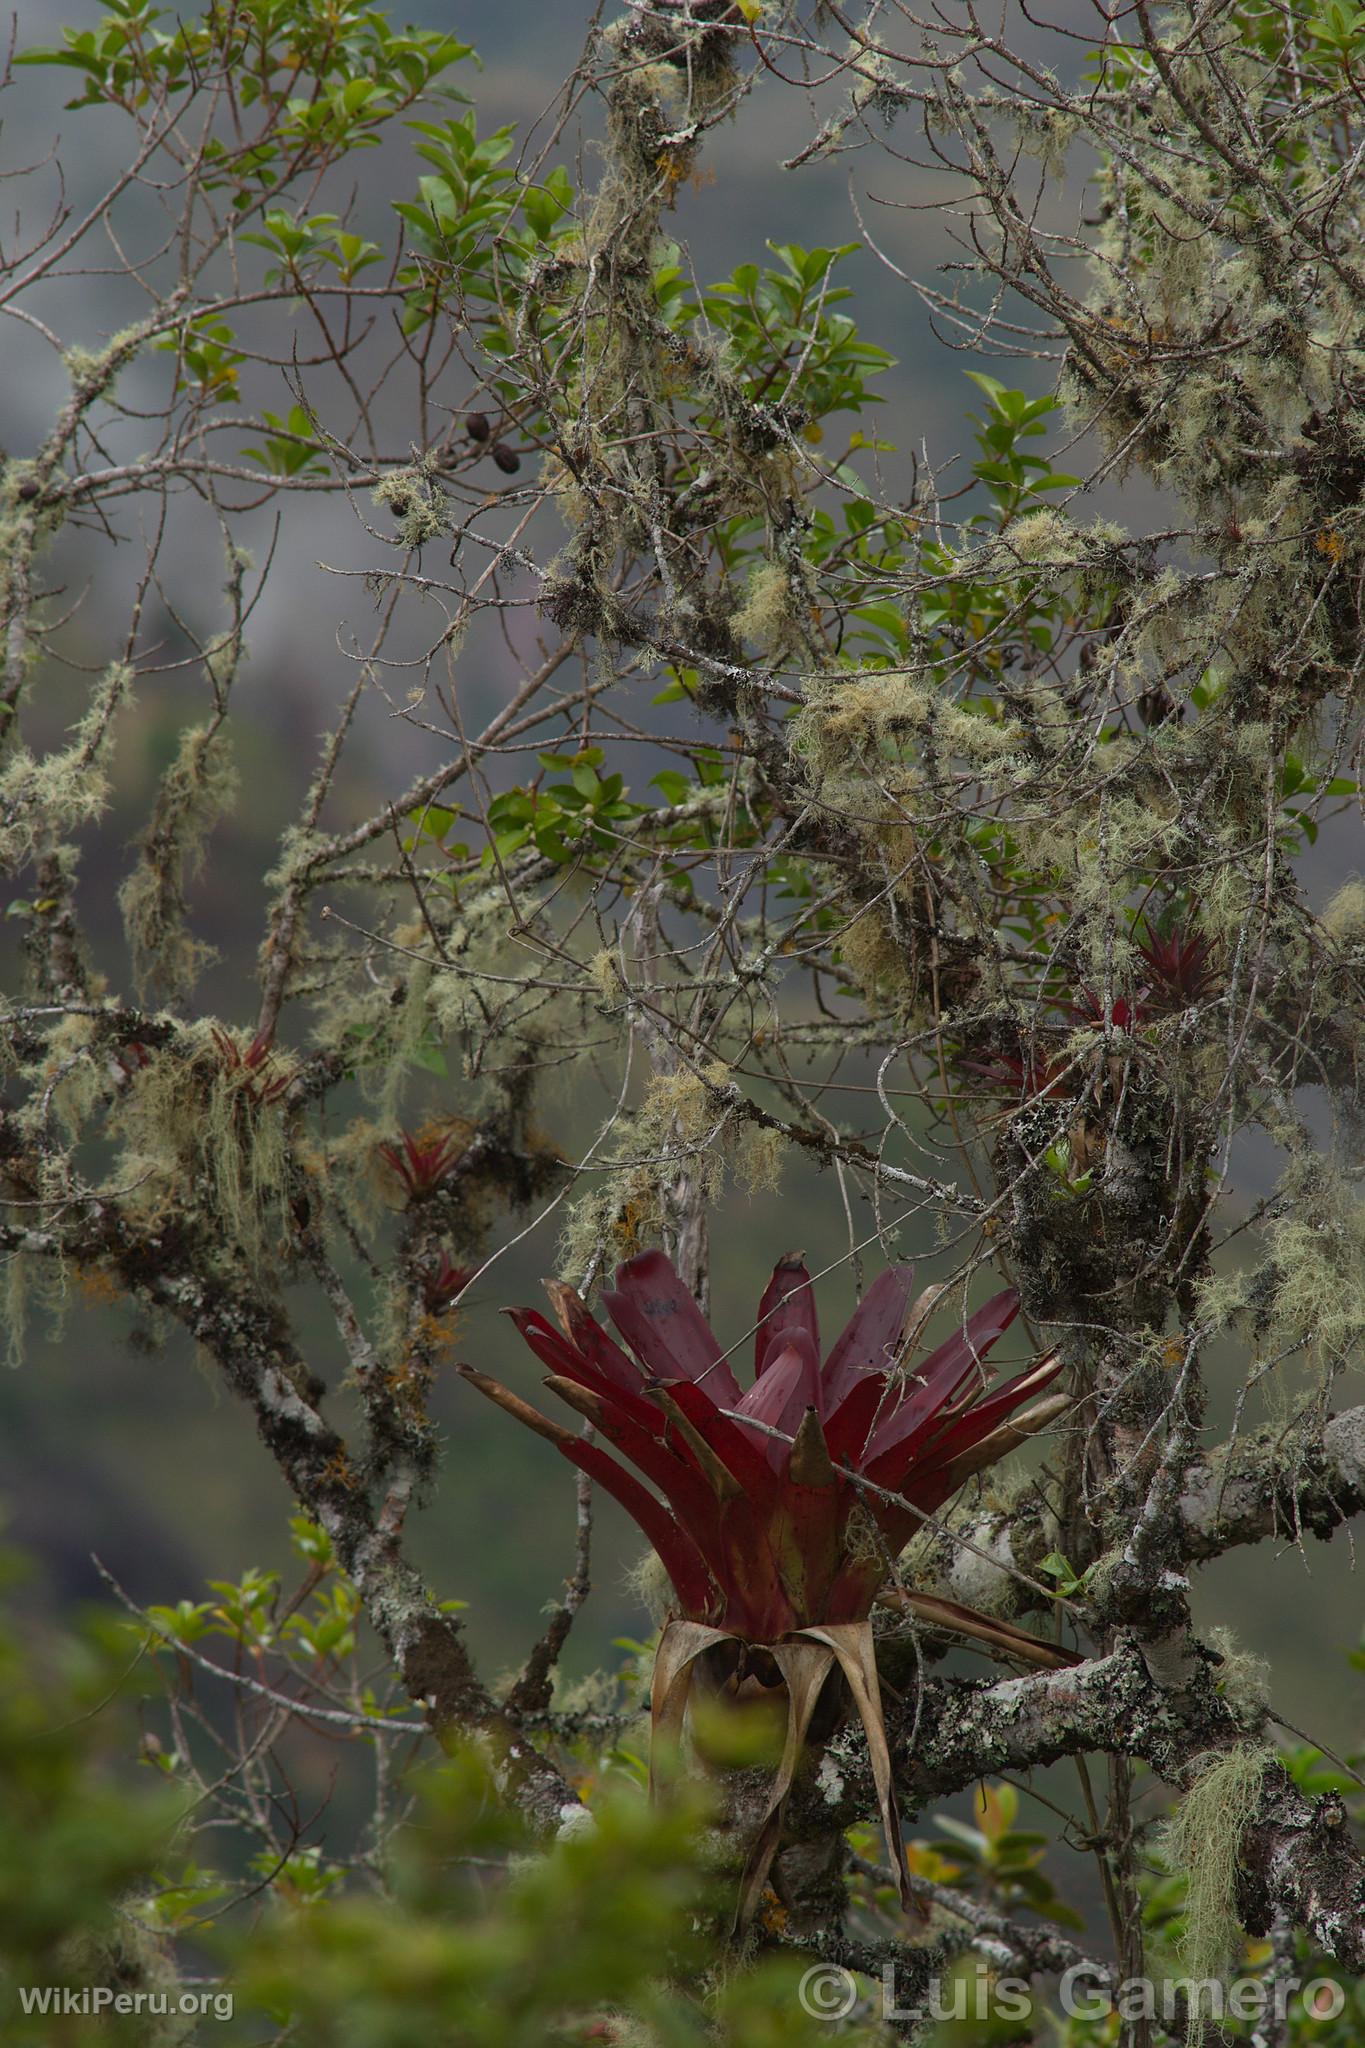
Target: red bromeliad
423	1161
444	1282
1023	1075
1181	968
776	1509
1124	1013
254	1066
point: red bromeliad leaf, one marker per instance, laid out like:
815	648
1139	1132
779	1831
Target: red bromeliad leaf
788	1304
943	1373
422	1162
1025	1074
445	1282
666	1330
677	1549
871	1337
568	1360
762	1510
984	1417
789	1386
849	1427
732	1443
584	1331
685	1489
1123	1013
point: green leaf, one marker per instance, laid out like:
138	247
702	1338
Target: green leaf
674	786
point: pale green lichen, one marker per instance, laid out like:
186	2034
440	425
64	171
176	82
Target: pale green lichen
649	1583
767	619
1044	132
43	797
14	1306
1243	1677
679	1127
1203	1840
1343	917
874	960
1316	1244
605	975
203	1130
758	1159
77	1082
197	790
416	503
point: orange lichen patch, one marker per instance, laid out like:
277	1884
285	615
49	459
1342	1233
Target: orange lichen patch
626	1229
773	1915
409	1383
436	1333
1330	543
338	1471
98	1287
673	166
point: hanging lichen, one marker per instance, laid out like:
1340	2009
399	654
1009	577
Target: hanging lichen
206	1130
1317	1254
679	1126
14	1306
43	797
1203	1840
197	790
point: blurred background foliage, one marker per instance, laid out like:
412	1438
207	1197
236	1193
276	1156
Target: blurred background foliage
421	1913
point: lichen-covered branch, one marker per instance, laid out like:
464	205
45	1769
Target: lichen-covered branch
1297	1852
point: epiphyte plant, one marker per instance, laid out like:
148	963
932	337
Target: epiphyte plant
784	1506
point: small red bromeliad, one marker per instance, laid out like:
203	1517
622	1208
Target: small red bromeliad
782	1507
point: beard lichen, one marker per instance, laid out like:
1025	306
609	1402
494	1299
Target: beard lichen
197	790
648	1582
205	1132
416	502
678	1130
1316	1245
1203	1841
41	798
1343	917
768	618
